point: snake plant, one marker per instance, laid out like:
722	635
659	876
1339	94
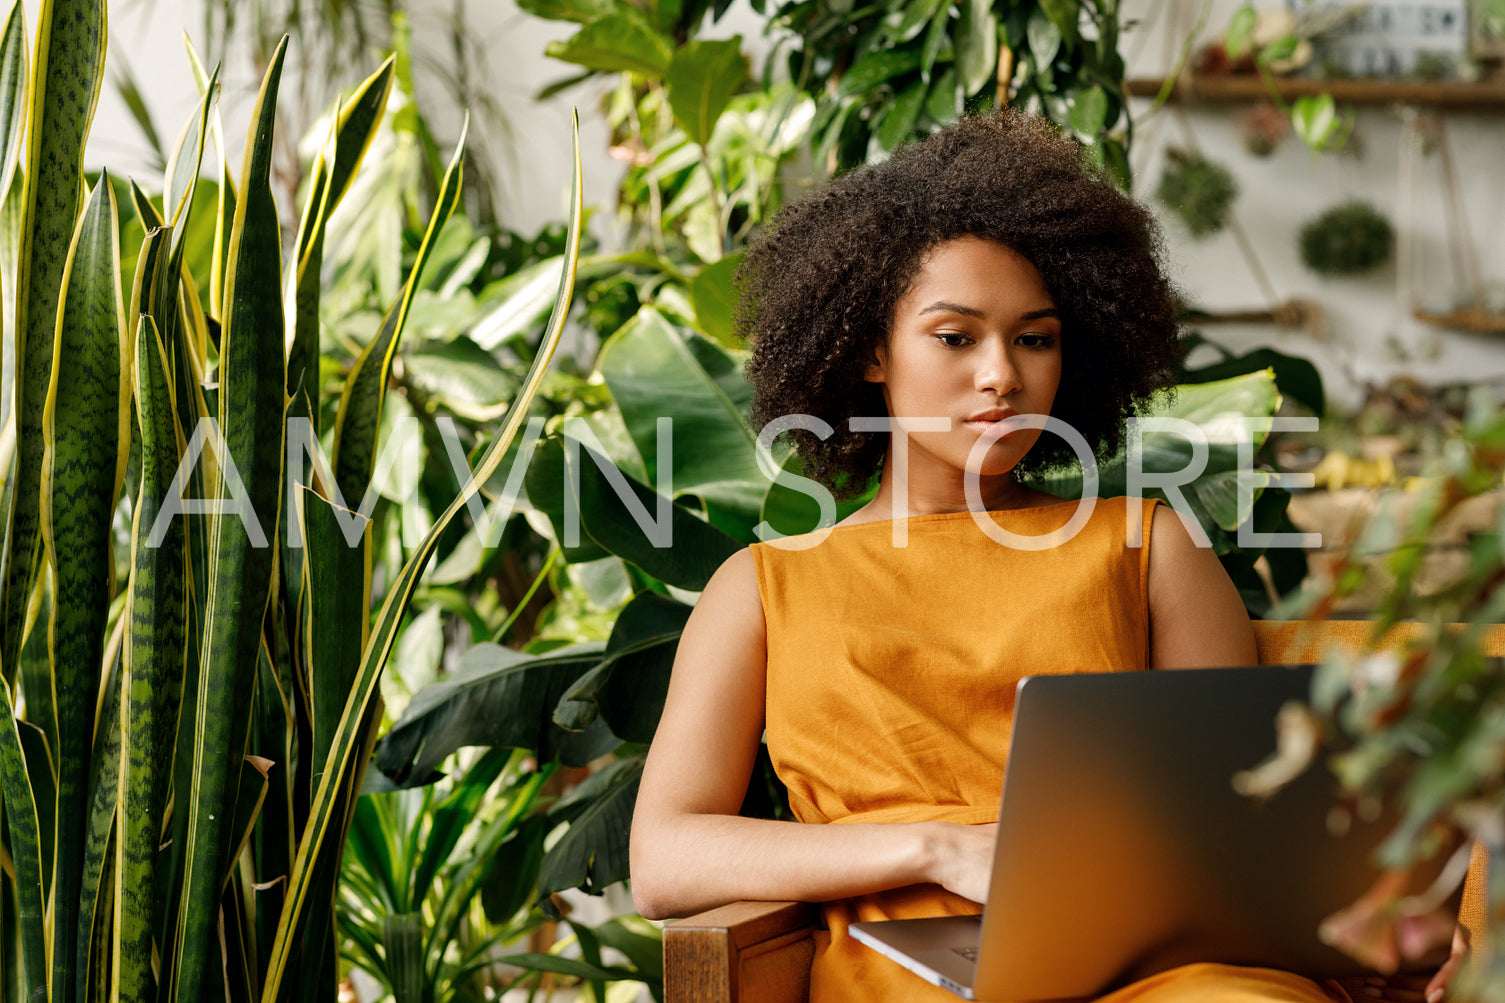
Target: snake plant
182	741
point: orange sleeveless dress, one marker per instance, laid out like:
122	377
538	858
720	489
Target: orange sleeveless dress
890	698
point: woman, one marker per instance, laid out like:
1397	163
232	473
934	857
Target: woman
985	273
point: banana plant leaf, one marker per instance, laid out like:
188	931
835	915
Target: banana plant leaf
656	370
597	509
592	854
629	685
495	696
1218	409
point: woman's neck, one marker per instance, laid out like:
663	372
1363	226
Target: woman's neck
930	496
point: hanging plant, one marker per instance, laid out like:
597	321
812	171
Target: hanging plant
1346	240
1198	190
1262	128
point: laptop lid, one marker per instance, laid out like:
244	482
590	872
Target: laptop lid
1123	849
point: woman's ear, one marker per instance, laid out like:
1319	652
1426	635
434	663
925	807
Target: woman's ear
877	370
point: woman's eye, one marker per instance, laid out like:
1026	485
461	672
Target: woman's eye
1037	340
952	340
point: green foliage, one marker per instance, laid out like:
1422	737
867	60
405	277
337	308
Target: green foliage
1198	190
437	882
704	149
1421	728
1349	239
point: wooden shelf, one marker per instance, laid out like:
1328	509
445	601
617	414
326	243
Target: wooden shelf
1482	95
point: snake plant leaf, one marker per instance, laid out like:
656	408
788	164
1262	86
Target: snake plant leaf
338	585
335	780
13	89
153	668
96	907
225	219
354	128
65	84
181	173
358	421
151	286
83	463
25	849
250	416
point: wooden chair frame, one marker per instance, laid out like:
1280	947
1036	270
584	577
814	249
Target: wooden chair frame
760	952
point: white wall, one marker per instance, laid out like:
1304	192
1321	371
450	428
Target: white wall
1370	335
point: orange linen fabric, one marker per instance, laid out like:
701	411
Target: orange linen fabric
890	697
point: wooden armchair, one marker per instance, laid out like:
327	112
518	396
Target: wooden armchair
760	952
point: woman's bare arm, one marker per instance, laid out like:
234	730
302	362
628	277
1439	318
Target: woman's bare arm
1197	619
690	849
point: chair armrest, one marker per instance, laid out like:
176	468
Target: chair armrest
745	952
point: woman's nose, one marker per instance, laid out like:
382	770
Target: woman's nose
996	372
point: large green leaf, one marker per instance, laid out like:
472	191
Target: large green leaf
1218	409
155	647
82	421
660	536
496	696
346	754
250	404
66	78
655	371
715	299
876	67
568	10
358	422
899	119
628	687
976	44
592	854
702	78
621	41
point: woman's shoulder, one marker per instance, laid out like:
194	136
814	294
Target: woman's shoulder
733	588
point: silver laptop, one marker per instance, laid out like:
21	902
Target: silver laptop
1123	849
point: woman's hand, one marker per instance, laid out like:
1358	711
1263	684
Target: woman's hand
1413	988
961	857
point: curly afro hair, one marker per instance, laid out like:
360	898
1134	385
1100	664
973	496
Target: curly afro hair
820	285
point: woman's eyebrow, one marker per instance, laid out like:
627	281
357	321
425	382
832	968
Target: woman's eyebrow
943	306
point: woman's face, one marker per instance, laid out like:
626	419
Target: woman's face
976	339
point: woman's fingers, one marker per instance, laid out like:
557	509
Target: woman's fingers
1437	985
